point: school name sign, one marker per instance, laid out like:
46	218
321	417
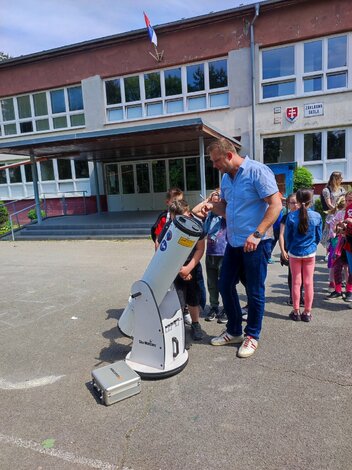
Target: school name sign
314	109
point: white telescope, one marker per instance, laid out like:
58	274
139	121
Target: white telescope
153	315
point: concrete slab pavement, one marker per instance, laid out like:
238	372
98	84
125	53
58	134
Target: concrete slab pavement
287	407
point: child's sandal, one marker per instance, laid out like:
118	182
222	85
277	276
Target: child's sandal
295	316
306	317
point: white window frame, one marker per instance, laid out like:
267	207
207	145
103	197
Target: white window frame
300	75
50	116
163	99
326	164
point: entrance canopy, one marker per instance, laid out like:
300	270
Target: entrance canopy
160	140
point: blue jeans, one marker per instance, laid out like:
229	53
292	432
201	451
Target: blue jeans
253	266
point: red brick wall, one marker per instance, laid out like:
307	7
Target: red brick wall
54	207
183	43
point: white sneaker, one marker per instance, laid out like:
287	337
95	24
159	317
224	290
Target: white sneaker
187	319
226	338
248	347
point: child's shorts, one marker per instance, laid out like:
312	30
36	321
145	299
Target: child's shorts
188	291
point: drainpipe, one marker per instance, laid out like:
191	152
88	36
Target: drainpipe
253	79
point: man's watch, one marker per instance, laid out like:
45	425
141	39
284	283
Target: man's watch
257	234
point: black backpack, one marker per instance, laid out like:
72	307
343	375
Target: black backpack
323	202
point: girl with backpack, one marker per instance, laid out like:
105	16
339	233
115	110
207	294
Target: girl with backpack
303	232
332	191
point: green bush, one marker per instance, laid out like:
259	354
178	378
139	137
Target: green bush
4	229
4	214
32	214
302	178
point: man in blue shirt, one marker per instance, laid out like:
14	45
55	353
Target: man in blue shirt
251	202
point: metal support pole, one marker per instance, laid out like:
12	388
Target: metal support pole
203	188
97	192
84	202
35	188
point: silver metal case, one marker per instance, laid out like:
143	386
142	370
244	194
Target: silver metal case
115	382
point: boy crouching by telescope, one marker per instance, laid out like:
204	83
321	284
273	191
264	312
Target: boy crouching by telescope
186	283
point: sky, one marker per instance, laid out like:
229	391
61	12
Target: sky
29	26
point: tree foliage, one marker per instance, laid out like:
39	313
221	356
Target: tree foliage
4	56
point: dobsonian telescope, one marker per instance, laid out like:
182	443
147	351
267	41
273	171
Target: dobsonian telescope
153	315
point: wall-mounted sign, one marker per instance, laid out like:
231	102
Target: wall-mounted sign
277	110
292	113
314	109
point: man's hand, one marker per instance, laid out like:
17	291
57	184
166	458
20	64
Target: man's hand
251	243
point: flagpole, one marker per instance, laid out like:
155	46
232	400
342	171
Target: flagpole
159	55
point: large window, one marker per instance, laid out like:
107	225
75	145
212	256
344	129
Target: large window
321	151
44	111
28	173
15	175
327	145
81	169
2	176
112	178
336	144
127	179
192	174
308	67
176	176
47	171
64	169
279	149
212	175
142	172
159	176
188	88
312	147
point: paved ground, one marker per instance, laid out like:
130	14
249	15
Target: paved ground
287	407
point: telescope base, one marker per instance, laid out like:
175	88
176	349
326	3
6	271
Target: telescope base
152	373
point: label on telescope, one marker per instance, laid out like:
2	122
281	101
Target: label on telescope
185	242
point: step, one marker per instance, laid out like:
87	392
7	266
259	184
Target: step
79	237
35	227
84	231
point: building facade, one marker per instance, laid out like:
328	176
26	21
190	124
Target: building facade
106	118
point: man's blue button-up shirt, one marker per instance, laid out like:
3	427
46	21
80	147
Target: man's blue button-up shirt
244	195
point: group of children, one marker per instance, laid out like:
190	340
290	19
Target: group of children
336	231
300	233
190	282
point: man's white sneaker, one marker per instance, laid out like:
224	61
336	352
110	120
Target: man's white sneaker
226	338
248	347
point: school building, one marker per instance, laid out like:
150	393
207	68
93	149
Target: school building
115	122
